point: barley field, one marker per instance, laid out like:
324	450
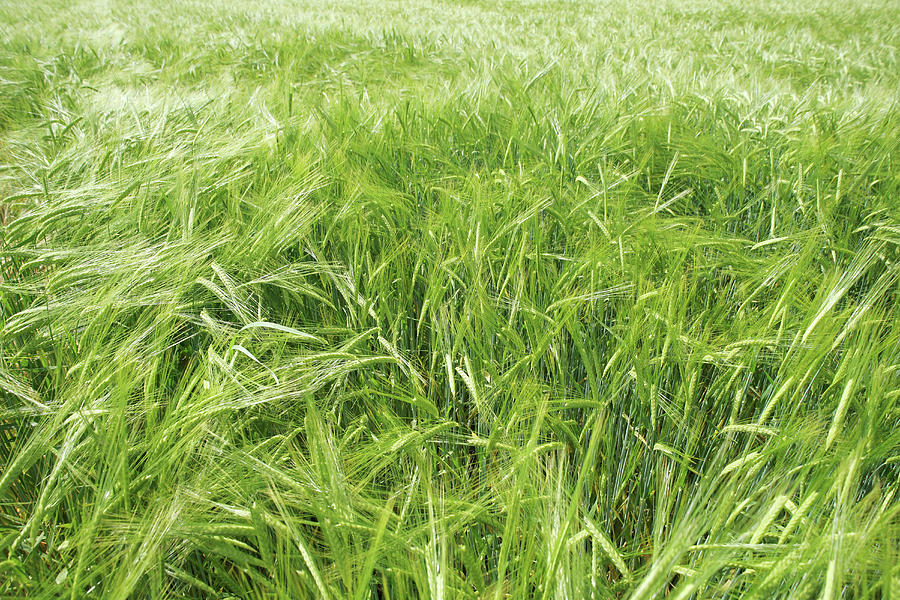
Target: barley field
483	299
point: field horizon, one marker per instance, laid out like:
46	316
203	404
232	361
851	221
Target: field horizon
454	299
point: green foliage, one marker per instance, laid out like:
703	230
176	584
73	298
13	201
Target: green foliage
449	300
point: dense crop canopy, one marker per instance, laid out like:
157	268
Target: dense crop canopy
450	299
